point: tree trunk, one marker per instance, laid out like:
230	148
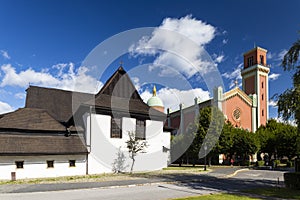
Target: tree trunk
131	169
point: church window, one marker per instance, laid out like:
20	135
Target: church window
262	112
262	84
237	114
72	163
50	163
250	61
116	128
140	129
20	164
262	97
262	59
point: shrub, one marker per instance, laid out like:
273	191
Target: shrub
246	163
260	163
290	164
277	162
292	180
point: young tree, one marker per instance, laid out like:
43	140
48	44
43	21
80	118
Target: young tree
209	129
135	146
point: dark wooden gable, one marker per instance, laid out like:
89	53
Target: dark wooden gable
120	85
118	95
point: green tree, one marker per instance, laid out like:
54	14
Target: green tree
225	143
245	143
135	146
267	137
209	127
289	101
278	139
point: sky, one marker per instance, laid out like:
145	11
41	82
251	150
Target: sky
50	43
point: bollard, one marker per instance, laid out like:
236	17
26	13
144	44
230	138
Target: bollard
13	176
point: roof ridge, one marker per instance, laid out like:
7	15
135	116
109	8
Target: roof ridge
57	89
241	93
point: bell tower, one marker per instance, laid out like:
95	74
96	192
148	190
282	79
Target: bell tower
255	81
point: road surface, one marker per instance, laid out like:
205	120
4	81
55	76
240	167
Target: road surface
162	188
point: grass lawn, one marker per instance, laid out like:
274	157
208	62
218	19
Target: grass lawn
285	193
65	179
218	197
106	177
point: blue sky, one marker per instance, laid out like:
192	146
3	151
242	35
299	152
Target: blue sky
45	42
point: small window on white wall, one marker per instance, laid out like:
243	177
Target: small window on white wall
50	163
116	128
19	164
140	129
72	163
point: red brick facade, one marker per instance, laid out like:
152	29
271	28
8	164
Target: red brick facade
247	108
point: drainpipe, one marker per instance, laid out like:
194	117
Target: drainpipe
169	117
181	119
90	132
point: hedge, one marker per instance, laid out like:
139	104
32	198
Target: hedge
292	180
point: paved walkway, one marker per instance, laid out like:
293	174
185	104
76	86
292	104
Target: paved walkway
192	180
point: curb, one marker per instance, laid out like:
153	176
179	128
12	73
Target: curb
235	173
132	185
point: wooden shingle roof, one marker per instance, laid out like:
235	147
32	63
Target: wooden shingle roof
120	95
30	119
28	144
58	103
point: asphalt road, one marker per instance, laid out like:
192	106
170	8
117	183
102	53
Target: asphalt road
157	188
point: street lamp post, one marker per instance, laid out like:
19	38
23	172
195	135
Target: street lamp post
205	148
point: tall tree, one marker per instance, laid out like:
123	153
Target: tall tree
289	101
209	128
278	139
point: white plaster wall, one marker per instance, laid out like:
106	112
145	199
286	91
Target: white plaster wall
104	150
36	166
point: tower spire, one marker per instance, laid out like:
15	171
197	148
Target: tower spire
154	91
236	83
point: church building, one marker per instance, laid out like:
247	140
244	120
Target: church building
245	108
64	133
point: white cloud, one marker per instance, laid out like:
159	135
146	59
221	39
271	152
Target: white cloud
5	107
172	97
291	121
270	55
281	54
234	76
20	95
273	76
136	82
11	77
70	79
4	54
173	50
218	58
272	103
225	41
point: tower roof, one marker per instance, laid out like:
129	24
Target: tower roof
255	49
155	100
